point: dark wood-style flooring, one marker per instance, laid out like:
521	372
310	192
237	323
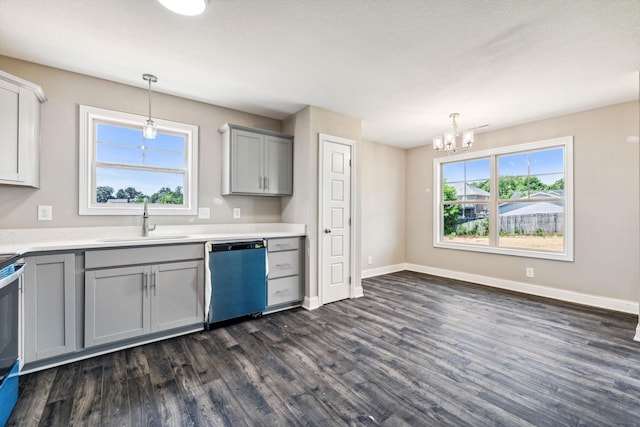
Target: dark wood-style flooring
417	350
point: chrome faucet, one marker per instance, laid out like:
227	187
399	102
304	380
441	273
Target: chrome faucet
146	228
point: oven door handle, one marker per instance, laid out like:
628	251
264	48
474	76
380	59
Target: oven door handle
5	281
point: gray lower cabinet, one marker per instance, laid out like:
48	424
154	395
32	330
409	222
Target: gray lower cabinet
284	283
49	306
132	301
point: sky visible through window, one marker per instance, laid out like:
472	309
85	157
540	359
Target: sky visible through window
126	146
546	165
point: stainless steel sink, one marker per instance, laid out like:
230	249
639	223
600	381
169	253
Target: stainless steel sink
144	239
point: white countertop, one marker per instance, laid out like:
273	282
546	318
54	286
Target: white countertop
25	240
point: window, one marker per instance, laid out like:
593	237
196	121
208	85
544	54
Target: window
119	168
515	200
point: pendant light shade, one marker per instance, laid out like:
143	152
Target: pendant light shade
185	7
150	128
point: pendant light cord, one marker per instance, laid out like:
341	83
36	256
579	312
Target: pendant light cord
149	99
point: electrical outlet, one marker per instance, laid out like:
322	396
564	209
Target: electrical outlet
236	212
204	213
370	260
45	213
529	271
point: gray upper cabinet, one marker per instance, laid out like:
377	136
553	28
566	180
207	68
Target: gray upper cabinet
49	306
19	131
256	162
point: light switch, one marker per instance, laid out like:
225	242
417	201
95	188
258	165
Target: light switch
204	213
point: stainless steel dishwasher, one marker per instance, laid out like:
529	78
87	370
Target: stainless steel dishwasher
236	279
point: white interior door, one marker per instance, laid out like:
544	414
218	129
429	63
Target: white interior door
335	236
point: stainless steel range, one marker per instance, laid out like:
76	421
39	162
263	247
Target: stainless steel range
10	276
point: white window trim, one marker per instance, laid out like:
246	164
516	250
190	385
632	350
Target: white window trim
566	255
87	178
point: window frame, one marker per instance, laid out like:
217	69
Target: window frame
87	163
565	142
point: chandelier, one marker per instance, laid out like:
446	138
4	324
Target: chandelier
448	142
150	128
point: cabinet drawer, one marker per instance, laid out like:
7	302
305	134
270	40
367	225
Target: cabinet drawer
275	245
284	264
283	290
134	256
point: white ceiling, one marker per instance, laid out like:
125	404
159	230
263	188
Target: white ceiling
399	65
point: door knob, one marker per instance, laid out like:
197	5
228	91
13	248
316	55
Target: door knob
327	230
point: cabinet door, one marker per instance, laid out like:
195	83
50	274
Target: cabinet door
247	152
49	304
177	291
278	165
19	135
116	304
9	143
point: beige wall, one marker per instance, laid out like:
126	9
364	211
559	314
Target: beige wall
394	209
606	193
383	195
307	124
59	150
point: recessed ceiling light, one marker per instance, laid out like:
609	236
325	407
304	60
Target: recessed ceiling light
185	7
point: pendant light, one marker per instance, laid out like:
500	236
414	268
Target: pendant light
150	128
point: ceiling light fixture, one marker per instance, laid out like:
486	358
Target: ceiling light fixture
448	141
150	129
185	7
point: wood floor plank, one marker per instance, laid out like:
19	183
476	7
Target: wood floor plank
116	410
87	399
57	413
144	401
416	350
33	394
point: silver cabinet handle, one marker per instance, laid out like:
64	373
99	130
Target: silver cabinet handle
154	282
266	183
260	182
327	230
145	284
286	265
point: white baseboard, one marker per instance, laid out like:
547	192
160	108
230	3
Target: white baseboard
358	292
614	304
624	306
311	303
379	271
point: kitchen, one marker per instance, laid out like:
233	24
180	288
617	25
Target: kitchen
386	176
